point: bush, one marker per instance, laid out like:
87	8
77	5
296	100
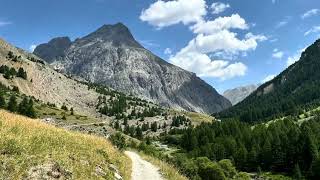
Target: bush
228	168
243	176
119	141
209	170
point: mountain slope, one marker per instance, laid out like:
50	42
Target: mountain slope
293	90
112	57
238	94
44	83
30	149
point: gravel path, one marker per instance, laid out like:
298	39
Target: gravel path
141	169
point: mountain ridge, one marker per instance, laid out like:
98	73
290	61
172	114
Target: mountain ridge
111	56
291	92
238	94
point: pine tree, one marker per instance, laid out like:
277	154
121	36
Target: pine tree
21	73
12	104
2	101
23	106
154	127
30	110
139	134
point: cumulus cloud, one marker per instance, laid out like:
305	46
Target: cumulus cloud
208	27
219	7
222	41
314	29
268	78
213	38
166	13
32	47
310	13
277	54
203	66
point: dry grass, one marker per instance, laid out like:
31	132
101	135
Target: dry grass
167	170
27	143
198	118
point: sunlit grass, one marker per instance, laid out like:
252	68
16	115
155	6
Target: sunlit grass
26	143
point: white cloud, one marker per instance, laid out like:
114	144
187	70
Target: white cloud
167	51
232	22
219	7
273	40
213	37
314	29
203	66
149	43
282	23
222	41
310	13
194	57
295	57
32	47
166	13
268	78
277	54
4	23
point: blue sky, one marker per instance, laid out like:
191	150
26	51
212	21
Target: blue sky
228	43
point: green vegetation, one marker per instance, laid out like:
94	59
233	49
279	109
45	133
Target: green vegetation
294	90
10	73
29	148
283	146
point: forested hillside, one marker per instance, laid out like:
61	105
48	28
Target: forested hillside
294	90
281	147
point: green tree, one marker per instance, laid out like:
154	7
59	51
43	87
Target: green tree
21	73
154	127
12	104
23	106
2	101
139	134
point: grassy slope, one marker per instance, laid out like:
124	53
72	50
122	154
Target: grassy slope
26	143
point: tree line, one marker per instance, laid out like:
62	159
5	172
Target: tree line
282	147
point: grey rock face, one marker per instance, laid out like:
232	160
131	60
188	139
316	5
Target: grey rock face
53	50
238	94
111	56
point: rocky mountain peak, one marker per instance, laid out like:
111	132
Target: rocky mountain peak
54	49
111	56
118	34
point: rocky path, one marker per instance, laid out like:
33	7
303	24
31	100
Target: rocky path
141	169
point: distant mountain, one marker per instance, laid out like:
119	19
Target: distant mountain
295	89
238	94
112	57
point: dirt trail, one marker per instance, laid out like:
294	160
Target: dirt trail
141	169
